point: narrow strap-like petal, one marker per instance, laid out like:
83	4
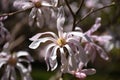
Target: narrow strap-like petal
35	44
41	34
53	58
101	52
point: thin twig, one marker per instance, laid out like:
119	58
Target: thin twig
93	11
71	11
75	16
81	4
13	13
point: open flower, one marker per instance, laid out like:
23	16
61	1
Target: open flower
14	61
91	47
39	8
65	41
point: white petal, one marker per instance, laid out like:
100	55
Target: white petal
69	50
60	21
45	3
3	53
22	68
47	54
94	27
75	33
54	2
89	71
64	62
40	19
2	63
6	74
72	63
26	54
90	51
41	34
25	72
101	52
22	4
32	16
23	60
36	43
13	74
22	53
81	54
53	58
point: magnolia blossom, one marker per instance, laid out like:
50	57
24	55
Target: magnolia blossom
91	47
14	61
40	10
67	43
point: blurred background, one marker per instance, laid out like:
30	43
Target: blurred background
18	26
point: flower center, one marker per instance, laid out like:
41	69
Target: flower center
61	42
12	61
37	4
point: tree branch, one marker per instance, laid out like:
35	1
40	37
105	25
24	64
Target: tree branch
93	11
13	13
69	8
81	4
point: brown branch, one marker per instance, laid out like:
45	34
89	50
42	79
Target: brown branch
75	16
13	13
67	3
81	4
93	11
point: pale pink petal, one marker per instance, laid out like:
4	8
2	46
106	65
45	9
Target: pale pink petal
90	51
81	53
40	19
41	34
32	16
75	34
64	62
54	2
2	63
46	4
101	52
89	71
22	68
47	53
102	39
22	53
35	44
94	27
60	22
24	72
22	4
6	74
23	60
80	75
25	54
69	50
53	58
72	62
13	74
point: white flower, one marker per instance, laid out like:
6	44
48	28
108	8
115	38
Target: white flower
39	8
14	61
65	41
